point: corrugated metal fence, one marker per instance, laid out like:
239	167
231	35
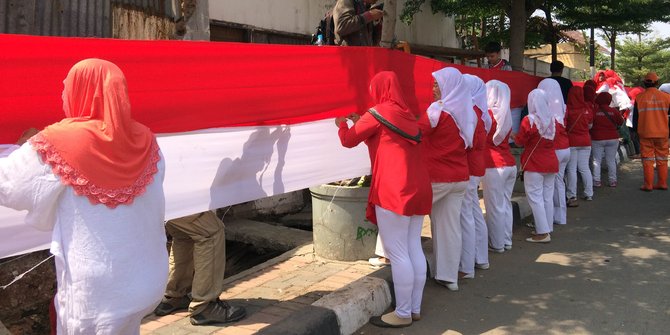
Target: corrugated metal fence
86	18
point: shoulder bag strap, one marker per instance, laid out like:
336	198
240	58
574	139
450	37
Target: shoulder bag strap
393	128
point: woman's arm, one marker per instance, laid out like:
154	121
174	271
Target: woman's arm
521	138
366	126
28	184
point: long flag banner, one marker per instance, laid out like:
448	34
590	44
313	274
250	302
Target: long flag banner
236	122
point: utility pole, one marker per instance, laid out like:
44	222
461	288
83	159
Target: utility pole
592	53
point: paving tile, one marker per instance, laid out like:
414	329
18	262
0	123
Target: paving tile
152	325
235	330
170	318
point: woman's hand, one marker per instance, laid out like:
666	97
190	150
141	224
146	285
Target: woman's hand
27	135
354	117
339	120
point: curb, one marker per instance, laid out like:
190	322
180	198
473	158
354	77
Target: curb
343	311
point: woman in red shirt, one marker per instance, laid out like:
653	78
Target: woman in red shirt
539	163
498	181
400	193
475	234
448	128
561	146
579	120
605	138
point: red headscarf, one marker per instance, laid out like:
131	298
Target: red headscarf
99	149
596	79
576	98
389	102
613	79
633	92
589	93
604	99
591	83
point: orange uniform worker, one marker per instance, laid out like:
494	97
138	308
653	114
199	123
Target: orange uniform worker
650	120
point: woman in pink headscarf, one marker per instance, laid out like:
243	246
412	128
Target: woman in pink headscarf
95	179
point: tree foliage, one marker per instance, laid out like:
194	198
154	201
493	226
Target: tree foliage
489	19
612	17
639	55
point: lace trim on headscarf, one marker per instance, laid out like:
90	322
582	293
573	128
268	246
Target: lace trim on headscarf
83	187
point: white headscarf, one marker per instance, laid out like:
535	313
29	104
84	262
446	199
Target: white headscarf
479	98
539	114
456	101
665	88
498	98
554	95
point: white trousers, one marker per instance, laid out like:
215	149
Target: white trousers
401	236
473	229
445	225
609	148
560	207
540	194
498	185
579	160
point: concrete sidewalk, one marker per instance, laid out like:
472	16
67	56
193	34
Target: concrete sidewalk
300	293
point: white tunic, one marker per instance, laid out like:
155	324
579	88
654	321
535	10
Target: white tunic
111	264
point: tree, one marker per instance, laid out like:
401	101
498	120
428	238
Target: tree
518	12
640	55
613	17
388	28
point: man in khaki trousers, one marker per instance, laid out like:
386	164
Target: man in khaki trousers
197	265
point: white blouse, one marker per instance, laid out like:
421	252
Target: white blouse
111	264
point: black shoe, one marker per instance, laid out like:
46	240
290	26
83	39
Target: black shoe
218	311
169	305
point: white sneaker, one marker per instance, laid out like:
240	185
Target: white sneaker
508	247
376	261
484	266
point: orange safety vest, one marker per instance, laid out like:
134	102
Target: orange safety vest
652	108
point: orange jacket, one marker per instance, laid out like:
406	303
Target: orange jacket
650	117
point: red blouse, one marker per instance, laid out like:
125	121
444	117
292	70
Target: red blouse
498	155
603	128
561	140
578	126
400	182
539	154
477	154
443	150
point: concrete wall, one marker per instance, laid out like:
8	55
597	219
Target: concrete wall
302	17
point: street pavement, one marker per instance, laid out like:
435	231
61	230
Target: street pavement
605	272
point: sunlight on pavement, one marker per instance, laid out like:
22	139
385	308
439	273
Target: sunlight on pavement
642	252
555	258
